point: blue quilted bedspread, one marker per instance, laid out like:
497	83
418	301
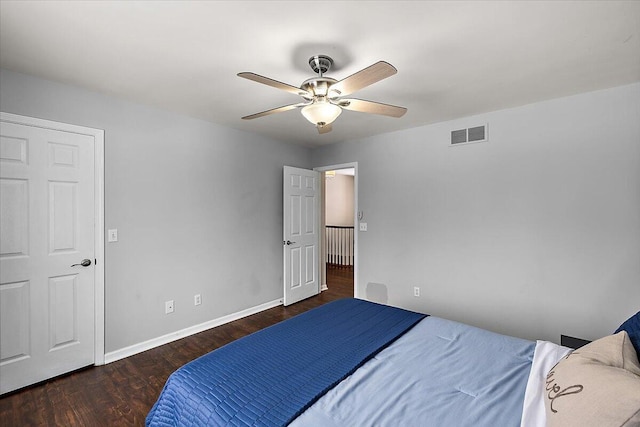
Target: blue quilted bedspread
268	378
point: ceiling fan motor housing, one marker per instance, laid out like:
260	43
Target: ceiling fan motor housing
317	86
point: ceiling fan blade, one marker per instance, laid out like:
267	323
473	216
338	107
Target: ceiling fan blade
363	78
275	110
371	107
274	83
324	129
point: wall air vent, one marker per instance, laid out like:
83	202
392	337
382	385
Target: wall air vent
469	135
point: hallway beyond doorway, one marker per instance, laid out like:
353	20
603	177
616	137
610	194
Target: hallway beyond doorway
340	280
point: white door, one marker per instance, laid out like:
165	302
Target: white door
47	313
301	235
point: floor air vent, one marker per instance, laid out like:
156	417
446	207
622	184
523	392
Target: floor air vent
469	135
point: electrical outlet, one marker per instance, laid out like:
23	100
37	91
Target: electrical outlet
416	291
363	226
197	299
168	307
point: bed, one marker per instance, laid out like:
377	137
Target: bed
357	363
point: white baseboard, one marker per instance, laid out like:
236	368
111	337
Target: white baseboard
165	339
324	288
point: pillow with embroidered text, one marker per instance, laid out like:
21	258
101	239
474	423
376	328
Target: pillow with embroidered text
597	385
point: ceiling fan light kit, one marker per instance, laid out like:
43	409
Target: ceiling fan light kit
321	113
323	101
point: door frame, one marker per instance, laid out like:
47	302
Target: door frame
98	138
321	207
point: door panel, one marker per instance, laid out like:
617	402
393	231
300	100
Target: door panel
14	321
294	280
63	222
14	211
63	309
47	306
310	263
301	237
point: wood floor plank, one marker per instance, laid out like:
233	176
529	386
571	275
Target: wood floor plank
122	393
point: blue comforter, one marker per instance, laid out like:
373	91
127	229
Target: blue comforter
270	377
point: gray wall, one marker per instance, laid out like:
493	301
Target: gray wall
533	233
198	208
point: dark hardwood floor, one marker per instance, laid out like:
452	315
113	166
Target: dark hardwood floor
122	393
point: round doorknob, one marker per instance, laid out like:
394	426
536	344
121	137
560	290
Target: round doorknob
85	263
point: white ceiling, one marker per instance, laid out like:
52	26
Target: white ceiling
454	59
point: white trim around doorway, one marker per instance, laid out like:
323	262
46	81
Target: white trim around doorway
354	166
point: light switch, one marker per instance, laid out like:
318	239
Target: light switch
363	226
112	235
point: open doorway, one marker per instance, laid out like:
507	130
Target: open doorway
339	235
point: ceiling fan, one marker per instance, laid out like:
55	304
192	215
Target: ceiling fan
323	96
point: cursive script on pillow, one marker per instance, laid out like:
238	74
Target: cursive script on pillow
596	386
555	391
